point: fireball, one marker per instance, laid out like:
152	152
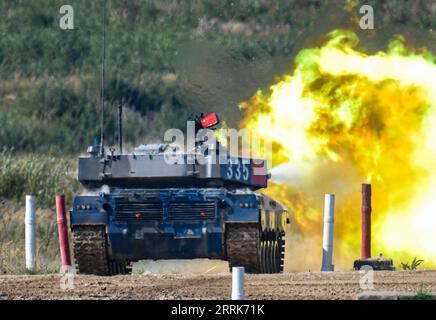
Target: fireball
344	117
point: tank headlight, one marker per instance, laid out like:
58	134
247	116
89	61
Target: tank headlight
84	207
246	205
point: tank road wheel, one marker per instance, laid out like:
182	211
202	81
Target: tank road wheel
271	259
275	265
271	253
272	267
258	252
278	257
243	246
262	255
90	252
268	257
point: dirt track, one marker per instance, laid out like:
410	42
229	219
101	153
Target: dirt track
314	285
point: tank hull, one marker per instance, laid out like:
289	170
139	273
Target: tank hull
178	223
166	245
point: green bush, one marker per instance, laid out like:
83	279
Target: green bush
413	265
42	176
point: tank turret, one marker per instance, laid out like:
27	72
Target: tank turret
148	166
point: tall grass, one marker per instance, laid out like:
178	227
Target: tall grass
44	177
12	242
41	176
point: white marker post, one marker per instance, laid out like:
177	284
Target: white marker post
327	243
30	231
238	283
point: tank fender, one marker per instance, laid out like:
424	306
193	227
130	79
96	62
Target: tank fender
90	210
248	216
242	208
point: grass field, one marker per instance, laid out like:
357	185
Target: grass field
44	177
12	256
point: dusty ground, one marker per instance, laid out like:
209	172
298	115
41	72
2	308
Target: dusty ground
313	285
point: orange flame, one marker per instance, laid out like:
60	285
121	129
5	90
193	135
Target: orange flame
342	118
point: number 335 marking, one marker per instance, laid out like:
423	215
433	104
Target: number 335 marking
237	168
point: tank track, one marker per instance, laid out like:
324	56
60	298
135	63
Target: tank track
258	252
90	252
242	244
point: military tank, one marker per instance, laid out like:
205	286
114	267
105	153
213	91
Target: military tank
138	206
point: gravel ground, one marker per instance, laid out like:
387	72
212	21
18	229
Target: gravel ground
306	285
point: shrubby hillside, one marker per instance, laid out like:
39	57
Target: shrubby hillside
166	58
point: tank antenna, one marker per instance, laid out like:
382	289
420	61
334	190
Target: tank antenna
102	80
120	126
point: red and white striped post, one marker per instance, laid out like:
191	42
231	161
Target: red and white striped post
366	221
63	232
